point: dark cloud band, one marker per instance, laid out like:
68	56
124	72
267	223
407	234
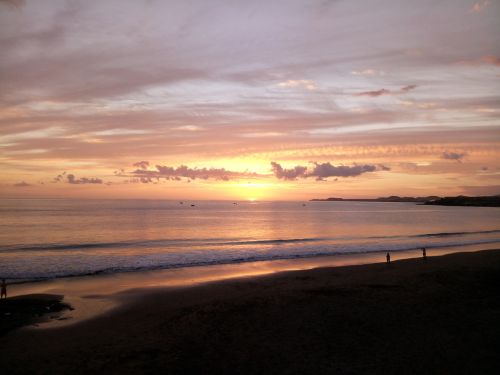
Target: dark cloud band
176	173
322	171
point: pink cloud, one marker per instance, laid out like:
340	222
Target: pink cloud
141	164
479	6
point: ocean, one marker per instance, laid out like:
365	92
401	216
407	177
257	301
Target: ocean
51	238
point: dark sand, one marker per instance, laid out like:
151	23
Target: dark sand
440	316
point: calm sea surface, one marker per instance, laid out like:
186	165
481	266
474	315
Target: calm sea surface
47	238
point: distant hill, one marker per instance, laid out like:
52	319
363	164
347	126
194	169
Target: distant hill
462	200
392	198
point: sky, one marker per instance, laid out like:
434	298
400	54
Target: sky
257	100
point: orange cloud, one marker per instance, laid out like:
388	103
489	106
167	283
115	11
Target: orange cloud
493	60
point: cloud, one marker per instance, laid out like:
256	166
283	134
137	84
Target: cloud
323	170
490	59
59	177
458	156
22	184
83	180
288	174
381	92
479	6
374	93
176	173
263	134
484	60
418	105
141	164
13	3
188	128
408	88
367	72
243	96
299	83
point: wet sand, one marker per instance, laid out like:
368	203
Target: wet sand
30	309
412	316
94	295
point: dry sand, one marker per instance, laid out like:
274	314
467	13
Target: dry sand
440	316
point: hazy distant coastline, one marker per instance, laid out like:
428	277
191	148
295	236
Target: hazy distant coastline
461	200
485	201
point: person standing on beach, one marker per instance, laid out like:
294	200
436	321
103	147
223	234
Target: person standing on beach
424	253
4	289
388	258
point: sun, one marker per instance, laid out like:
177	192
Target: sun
250	191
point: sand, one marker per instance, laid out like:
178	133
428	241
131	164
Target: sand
29	309
410	317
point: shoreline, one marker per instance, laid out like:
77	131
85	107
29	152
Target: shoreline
412	316
94	295
444	249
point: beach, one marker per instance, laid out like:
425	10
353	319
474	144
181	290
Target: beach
249	187
411	316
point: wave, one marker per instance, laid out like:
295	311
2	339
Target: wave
231	260
445	234
219	242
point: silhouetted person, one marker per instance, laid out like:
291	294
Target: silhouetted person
424	253
4	289
388	258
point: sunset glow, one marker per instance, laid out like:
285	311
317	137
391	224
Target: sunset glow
257	100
